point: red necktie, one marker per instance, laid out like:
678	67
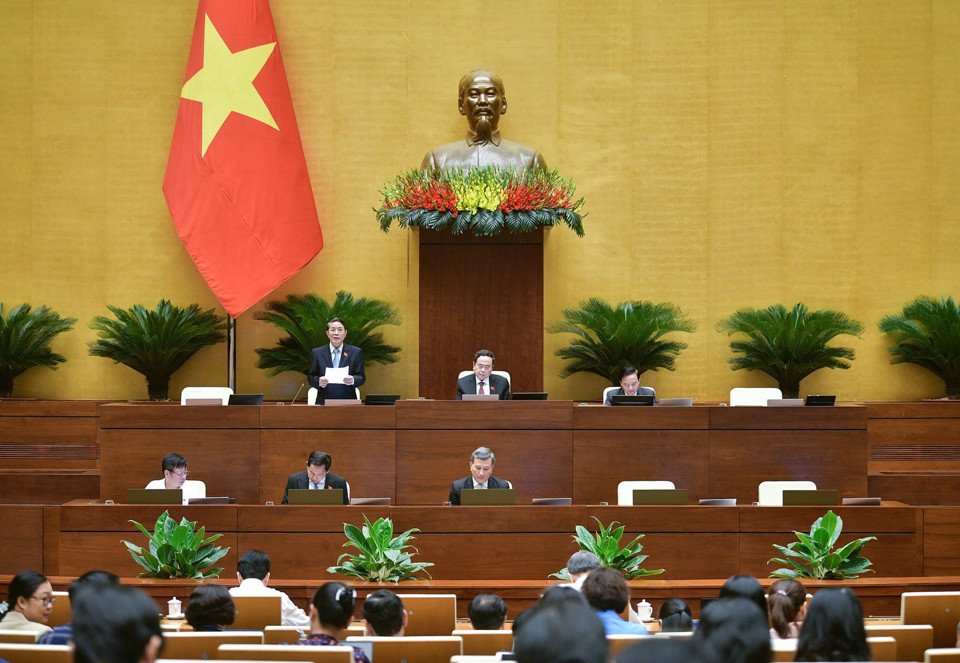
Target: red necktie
480	388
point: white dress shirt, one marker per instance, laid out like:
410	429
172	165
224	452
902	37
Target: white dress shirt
291	615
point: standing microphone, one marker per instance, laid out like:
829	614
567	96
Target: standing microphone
298	394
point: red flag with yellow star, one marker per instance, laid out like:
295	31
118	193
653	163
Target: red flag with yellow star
236	181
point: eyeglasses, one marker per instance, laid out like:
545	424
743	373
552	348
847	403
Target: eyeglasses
180	474
47	601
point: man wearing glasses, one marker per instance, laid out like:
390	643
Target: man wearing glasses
175	477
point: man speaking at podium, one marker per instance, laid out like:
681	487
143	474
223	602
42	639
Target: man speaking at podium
337	355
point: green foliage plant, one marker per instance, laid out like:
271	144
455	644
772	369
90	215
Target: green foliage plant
789	345
381	557
927	333
156	343
610	338
605	544
177	550
812	555
304	319
25	338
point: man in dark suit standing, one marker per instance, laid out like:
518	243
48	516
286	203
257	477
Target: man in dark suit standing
481	475
483	381
317	476
336	354
630	386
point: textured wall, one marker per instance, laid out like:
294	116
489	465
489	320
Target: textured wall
731	154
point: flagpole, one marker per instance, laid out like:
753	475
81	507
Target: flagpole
232	352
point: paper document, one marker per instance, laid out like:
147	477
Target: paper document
336	375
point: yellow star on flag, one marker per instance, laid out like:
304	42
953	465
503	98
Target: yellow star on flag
225	84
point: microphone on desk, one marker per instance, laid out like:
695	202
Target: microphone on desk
298	394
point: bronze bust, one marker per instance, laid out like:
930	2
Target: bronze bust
482	101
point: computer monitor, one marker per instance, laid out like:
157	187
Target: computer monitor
245	399
623	399
820	400
529	395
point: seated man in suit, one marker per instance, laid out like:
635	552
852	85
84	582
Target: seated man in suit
317	476
630	386
482	381
383	614
481	475
175	473
336	354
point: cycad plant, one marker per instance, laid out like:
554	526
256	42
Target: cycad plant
927	333
610	338
25	338
156	343
789	345
304	319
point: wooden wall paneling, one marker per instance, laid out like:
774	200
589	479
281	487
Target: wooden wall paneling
917	488
45	485
22	547
941	534
319	417
51	540
485	415
788	418
174	415
598	417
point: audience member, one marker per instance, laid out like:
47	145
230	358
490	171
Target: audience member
331	610
116	625
734	630
833	628
29	603
210	608
675	616
663	650
175	472
745	587
561	633
787	602
383	614
253	572
487	612
481	475
579	565
606	591
317	476
63	634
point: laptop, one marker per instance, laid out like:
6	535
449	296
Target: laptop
154	496
307	496
676	402
623	399
480	397
551	501
381	501
203	401
530	396
643	496
718	501
382	399
810	498
245	399
212	500
784	402
819	400
488	496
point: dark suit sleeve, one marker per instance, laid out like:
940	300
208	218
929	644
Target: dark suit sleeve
455	493
505	390
291	484
461	387
356	367
337	481
316	370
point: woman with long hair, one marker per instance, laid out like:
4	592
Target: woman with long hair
787	603
331	610
833	628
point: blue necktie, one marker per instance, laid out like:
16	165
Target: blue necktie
336	357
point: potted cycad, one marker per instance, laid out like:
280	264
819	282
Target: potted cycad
927	333
25	337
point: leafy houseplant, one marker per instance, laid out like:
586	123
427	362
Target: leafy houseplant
927	333
25	338
177	551
610	338
605	544
789	345
382	557
156	343
812	555
304	318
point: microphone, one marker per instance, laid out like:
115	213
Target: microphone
298	394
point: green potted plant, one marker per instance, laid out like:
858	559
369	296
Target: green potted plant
812	555
177	550
605	544
610	338
304	319
156	343
25	338
927	333
789	345
381	557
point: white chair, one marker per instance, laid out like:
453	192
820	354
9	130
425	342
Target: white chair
313	393
625	489
770	493
223	393
753	395
603	398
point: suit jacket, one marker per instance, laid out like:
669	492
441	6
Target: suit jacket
300	480
495	383
351	357
642	391
467	484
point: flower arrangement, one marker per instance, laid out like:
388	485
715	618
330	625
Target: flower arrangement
485	200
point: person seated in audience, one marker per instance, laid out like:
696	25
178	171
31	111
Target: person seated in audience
745	587
833	628
481	475
482	381
253	572
580	564
210	608
63	634
561	594
174	467
734	630
663	650
331	610
383	614
606	591
116	625
487	612
29	603
317	476
630	386
566	632
675	616
787	603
